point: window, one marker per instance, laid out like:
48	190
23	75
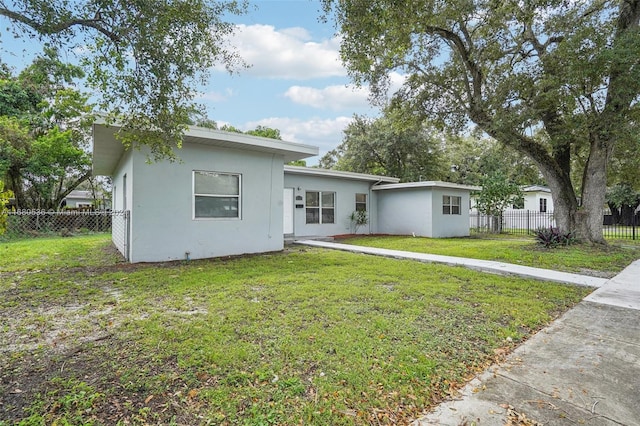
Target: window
543	205
451	204
216	195
320	207
361	202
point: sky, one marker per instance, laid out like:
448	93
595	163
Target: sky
295	83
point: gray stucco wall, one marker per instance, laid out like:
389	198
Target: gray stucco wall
405	211
121	199
445	226
161	204
345	190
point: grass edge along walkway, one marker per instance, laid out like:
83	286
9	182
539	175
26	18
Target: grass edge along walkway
476	264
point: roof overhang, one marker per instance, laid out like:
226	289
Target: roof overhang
427	184
108	150
337	174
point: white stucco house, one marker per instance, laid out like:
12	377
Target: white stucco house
320	202
425	209
79	199
537	198
232	194
223	198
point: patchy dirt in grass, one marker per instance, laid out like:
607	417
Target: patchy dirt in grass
59	380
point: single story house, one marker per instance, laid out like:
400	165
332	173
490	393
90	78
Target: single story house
224	196
320	202
425	209
79	199
323	203
232	193
537	198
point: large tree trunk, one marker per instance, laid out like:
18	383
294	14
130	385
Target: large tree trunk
594	184
565	204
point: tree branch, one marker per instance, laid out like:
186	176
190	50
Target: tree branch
96	23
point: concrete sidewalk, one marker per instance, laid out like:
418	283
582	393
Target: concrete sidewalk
583	369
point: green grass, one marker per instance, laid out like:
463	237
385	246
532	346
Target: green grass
590	260
56	252
306	336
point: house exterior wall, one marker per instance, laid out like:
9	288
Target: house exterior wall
407	211
122	199
345	204
532	201
163	227
450	225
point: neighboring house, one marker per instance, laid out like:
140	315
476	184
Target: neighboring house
79	199
320	202
231	194
426	209
537	198
223	198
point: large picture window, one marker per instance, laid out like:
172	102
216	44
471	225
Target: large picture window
451	204
320	207
216	195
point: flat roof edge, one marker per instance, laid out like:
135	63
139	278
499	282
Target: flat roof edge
338	174
427	184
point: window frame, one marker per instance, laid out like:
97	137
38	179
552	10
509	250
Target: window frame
320	207
449	207
542	205
361	203
194	196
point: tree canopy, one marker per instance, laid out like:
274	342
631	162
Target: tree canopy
145	59
385	147
551	79
44	126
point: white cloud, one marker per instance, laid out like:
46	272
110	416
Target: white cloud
339	97
214	96
286	53
326	134
330	97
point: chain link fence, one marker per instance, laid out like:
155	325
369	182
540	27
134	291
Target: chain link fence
23	224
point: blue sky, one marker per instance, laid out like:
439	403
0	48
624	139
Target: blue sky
295	83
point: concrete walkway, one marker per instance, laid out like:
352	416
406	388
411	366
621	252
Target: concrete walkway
583	369
480	265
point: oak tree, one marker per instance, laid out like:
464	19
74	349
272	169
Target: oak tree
145	59
547	78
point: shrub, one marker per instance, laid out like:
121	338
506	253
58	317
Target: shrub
4	200
358	218
552	237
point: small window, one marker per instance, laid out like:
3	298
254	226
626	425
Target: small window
543	205
320	207
361	202
451	204
216	195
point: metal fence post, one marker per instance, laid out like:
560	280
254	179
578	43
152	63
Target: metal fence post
127	237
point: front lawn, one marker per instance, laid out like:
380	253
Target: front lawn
306	336
588	260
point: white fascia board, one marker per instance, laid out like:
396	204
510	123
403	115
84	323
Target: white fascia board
427	184
337	174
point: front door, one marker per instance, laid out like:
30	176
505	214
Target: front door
287	210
